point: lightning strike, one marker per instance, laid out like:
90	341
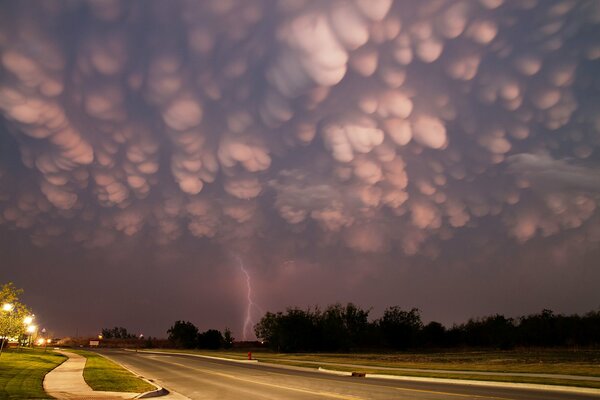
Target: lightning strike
250	305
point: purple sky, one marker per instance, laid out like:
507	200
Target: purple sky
433	154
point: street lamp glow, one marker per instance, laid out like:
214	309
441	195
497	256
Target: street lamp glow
31	328
8	307
28	320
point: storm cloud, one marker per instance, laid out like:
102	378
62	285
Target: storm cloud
374	126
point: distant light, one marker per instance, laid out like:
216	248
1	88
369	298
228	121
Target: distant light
99	336
41	341
28	320
48	340
31	328
8	307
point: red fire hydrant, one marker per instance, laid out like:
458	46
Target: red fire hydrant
249	355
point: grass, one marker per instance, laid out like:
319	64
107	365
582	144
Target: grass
539	361
22	373
102	374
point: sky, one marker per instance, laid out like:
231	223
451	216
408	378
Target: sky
159	158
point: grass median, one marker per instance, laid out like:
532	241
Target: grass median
100	373
22	372
450	364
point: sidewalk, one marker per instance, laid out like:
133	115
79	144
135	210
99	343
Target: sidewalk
66	382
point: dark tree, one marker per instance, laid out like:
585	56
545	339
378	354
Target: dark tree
357	323
183	334
342	328
228	339
495	331
118	332
211	339
433	335
400	328
332	328
296	330
540	329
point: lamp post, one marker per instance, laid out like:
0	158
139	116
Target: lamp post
7	308
31	329
28	328
43	338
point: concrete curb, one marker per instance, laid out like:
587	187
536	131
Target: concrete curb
334	372
153	393
516	385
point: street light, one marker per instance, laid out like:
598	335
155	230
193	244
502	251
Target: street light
28	320
43	340
31	329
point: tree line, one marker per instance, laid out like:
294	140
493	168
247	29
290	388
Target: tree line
346	328
185	335
118	332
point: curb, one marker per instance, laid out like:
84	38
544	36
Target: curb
334	372
516	385
153	393
468	382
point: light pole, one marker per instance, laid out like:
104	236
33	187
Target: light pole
7	308
31	329
28	327
43	337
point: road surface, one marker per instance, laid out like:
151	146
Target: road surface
200	378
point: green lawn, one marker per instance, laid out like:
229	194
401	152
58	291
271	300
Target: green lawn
22	373
543	361
102	374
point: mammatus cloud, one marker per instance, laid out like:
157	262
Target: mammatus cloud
374	125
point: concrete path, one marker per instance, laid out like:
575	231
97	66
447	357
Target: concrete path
66	382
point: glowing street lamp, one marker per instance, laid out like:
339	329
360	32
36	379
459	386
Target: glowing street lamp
28	320
31	329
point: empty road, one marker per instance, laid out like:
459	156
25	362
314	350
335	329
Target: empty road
200	378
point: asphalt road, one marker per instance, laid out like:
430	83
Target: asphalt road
200	378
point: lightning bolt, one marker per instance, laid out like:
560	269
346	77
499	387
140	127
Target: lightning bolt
250	304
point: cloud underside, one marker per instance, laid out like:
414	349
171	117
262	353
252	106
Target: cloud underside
367	124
